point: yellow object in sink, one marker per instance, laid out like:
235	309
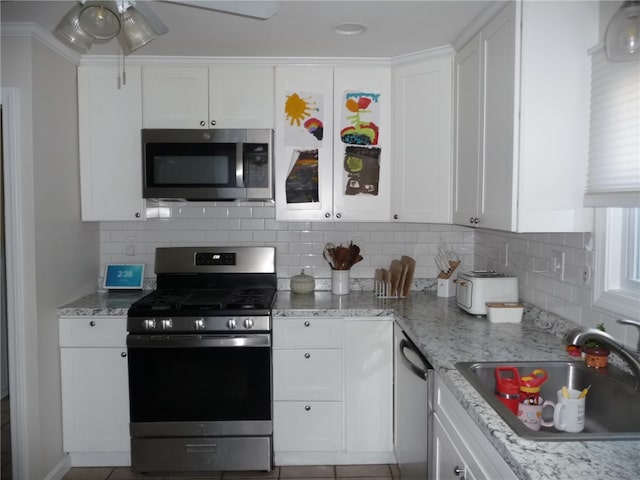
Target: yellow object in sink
565	392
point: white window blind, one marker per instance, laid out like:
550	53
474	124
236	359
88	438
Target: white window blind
613	178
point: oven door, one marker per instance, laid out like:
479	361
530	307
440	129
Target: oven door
200	385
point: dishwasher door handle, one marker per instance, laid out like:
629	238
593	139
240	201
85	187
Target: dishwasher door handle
420	372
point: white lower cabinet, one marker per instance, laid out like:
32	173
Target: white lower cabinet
332	390
95	390
307	427
460	450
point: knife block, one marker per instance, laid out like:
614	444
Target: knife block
446	287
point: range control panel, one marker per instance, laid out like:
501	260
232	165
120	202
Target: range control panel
213	258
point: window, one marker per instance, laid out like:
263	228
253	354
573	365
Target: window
613	183
617	261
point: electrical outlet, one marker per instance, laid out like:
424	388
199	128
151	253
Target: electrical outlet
130	249
557	264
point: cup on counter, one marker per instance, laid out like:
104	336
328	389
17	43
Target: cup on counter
340	282
568	415
531	415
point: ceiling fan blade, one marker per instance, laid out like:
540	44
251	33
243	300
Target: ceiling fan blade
255	9
158	25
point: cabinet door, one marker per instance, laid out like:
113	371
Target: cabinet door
175	97
110	119
241	97
497	187
449	462
368	360
95	399
468	85
314	87
93	331
310	374
307	332
422	142
351	200
307	426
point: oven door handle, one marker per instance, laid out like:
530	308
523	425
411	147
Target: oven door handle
197	341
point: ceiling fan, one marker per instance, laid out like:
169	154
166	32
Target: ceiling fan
136	23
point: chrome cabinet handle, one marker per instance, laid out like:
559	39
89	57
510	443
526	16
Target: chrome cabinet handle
338	215
213	123
307	355
396	216
92	323
457	471
327	215
307	407
137	215
202	123
307	323
123	354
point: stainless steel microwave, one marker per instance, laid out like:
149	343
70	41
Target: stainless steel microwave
207	165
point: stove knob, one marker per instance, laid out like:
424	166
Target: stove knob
248	323
149	323
167	324
232	324
198	324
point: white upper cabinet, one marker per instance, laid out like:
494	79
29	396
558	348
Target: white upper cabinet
422	105
522	115
207	97
110	119
319	177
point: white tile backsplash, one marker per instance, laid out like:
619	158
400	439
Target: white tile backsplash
299	245
529	257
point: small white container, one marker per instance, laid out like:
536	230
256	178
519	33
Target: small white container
504	312
340	282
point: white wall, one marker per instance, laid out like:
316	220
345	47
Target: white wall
60	253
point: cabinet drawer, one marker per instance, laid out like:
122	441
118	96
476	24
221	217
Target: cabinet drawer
312	332
307	374
307	426
93	331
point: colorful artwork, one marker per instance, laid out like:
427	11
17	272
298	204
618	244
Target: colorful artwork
361	114
362	168
301	185
304	119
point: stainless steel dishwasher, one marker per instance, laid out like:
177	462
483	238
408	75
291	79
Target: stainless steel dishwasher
414	382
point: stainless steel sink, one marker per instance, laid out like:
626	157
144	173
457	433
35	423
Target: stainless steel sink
612	406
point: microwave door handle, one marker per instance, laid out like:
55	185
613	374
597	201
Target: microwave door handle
239	165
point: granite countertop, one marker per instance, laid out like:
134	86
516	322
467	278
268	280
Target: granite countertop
447	335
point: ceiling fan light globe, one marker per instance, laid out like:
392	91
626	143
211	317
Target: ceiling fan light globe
136	30
69	28
99	20
622	37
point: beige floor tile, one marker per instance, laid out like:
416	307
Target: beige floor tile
314	478
365	478
362	471
274	473
88	473
125	473
315	471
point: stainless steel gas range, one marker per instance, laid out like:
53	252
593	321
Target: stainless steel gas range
199	353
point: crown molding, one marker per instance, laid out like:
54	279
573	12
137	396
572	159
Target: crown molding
478	23
446	50
33	30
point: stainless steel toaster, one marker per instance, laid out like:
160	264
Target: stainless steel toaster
474	289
